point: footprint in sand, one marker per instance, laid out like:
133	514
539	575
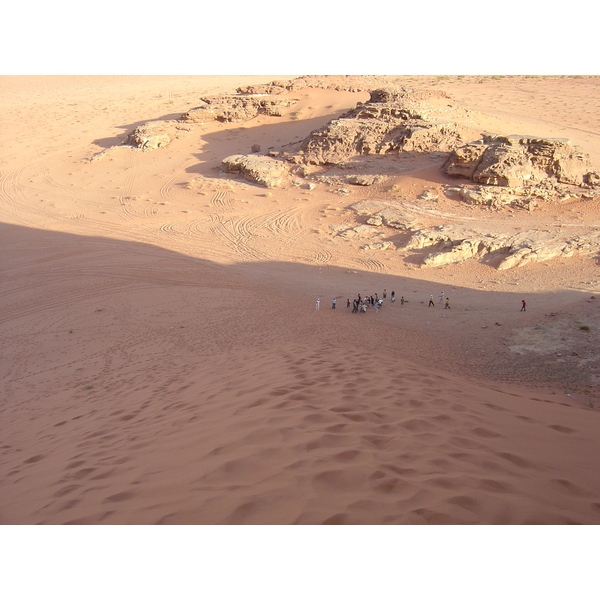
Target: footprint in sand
492	485
34	459
120	497
562	428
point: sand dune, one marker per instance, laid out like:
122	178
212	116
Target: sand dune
163	361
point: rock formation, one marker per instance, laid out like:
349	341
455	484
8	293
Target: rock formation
454	243
150	136
518	249
394	119
363	180
390	214
515	160
263	170
268	89
236	107
156	134
346	83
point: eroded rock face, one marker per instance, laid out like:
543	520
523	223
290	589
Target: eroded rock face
386	213
518	250
496	197
394	119
151	135
455	243
156	134
268	89
236	107
514	161
264	170
347	83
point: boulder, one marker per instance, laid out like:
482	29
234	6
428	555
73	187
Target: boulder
364	179
378	246
263	170
150	136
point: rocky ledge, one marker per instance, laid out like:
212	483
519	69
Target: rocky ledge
237	107
262	170
516	160
454	243
394	119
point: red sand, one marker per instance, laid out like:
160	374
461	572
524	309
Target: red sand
163	361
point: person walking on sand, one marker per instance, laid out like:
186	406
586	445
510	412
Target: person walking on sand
523	306
385	293
442	296
333	303
393	296
431	301
354	306
447	303
402	301
318	303
348	303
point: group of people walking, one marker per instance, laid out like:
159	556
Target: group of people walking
360	304
443	299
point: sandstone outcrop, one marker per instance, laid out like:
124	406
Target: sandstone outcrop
236	107
267	89
515	160
346	83
390	214
394	119
519	249
455	243
155	134
496	197
364	180
263	170
360	231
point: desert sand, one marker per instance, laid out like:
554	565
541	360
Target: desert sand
163	361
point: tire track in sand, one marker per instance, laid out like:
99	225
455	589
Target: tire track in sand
236	237
127	211
371	264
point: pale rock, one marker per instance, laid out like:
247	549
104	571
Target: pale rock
263	170
517	160
394	119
